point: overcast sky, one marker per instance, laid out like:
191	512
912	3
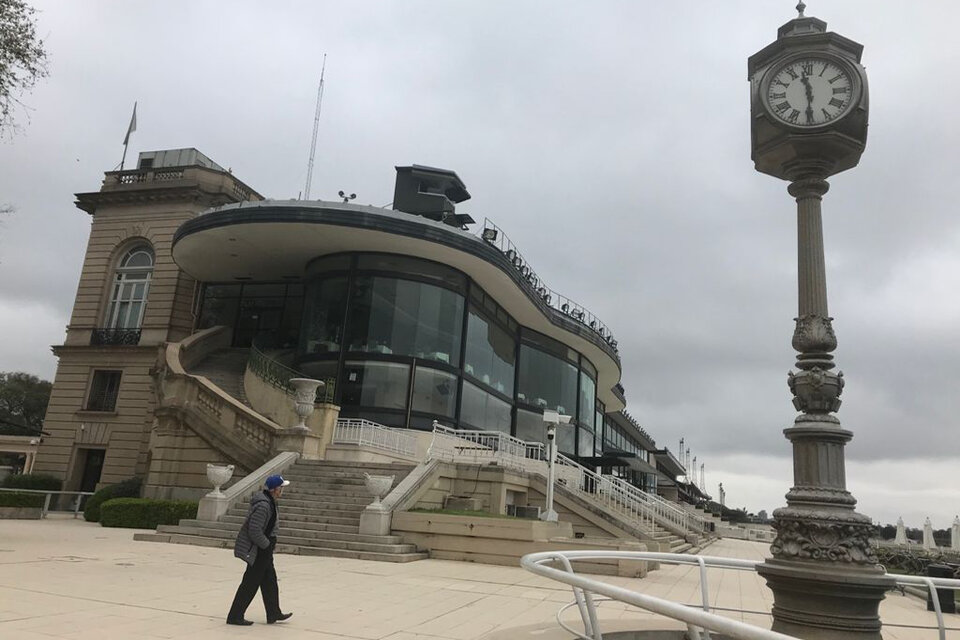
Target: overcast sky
610	140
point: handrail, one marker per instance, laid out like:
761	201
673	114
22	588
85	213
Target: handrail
366	433
46	500
274	372
584	588
636	506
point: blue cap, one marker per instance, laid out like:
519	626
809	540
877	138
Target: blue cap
275	481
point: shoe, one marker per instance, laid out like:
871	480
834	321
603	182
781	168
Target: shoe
243	622
279	618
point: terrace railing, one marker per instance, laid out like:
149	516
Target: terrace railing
272	371
370	434
637	507
494	235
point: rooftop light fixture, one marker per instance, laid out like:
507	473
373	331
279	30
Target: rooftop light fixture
345	197
490	235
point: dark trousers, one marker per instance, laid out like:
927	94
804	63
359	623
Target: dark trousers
259	575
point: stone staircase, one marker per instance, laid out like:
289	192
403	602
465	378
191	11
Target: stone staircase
319	516
225	368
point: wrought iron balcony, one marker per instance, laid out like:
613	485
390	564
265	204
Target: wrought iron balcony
130	337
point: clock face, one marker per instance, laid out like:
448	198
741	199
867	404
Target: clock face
809	92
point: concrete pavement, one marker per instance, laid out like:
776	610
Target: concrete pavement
65	578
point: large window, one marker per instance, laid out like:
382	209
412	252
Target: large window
547	381
104	389
265	311
324	306
484	411
131	284
434	392
375	384
530	427
588	400
490	353
404	317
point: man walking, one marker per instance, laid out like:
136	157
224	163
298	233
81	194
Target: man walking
255	544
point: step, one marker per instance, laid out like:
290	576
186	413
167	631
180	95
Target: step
304	513
290	538
301	522
178	538
342	497
302	530
363	466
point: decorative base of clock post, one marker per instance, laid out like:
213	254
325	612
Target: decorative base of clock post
815	601
824	574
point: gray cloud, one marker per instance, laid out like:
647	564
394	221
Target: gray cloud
611	142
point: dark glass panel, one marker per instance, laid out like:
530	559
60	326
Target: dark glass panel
327	264
222	290
546	381
549	345
319	369
219	311
566	435
264	290
588	400
530	426
403	317
375	384
490	353
438	274
323	308
584	443
483	411
434	392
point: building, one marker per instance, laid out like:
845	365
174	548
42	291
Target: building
407	316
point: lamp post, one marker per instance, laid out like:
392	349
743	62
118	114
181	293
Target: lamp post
552	420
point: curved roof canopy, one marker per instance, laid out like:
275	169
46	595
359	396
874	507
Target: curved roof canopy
274	240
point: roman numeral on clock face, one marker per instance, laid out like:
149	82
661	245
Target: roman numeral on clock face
834	102
837	90
793	116
783	106
793	74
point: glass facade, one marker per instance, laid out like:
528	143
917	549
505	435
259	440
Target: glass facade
410	341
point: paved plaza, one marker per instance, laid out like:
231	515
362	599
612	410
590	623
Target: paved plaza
65	578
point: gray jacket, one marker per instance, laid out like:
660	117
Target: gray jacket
253	535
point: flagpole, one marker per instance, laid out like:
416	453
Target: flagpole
126	138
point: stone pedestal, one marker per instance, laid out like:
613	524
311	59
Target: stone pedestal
375	521
212	507
306	443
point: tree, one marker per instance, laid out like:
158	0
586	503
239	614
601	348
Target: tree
23	59
23	397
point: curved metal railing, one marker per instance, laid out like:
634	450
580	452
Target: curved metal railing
697	620
274	372
644	511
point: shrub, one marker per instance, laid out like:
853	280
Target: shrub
142	513
40	481
127	489
8	499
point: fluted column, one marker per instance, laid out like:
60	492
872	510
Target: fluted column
824	573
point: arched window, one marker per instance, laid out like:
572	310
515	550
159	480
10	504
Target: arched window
131	284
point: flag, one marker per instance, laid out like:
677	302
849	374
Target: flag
133	125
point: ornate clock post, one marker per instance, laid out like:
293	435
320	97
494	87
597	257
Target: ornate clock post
809	122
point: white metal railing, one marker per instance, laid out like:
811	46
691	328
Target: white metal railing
641	509
697	620
370	434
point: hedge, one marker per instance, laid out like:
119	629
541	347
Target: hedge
8	499
32	481
129	488
143	513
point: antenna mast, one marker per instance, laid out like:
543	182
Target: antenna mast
316	125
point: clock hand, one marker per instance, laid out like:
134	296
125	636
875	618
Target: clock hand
809	91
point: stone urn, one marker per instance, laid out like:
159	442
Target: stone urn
305	395
218	475
379	486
